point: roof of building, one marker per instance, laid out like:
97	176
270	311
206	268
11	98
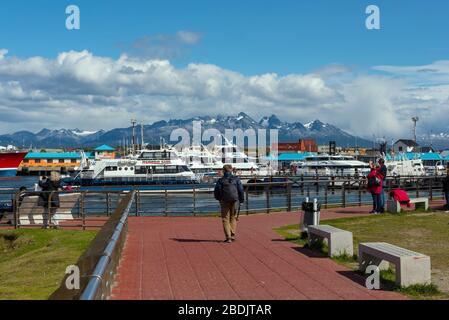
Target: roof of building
408	142
429	149
55	155
105	148
289	156
429	156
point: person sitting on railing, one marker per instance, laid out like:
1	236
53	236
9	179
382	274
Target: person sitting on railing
446	188
228	190
375	186
49	189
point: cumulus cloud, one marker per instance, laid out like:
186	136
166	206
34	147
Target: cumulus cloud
80	89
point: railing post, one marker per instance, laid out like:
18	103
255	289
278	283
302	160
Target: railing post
16	210
343	191
289	197
302	184
268	198
49	209
431	188
166	202
83	214
326	200
194	201
108	204
136	200
247	199
360	195
417	187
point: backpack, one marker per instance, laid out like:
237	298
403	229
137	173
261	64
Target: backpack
373	182
229	192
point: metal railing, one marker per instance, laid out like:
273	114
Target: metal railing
84	209
262	197
266	197
100	261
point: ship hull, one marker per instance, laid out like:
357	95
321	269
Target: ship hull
8	172
9	162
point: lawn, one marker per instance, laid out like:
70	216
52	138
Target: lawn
33	261
424	232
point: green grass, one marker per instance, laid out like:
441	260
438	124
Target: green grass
424	232
33	261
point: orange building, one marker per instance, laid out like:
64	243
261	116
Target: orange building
303	145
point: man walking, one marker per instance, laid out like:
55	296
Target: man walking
228	191
383	171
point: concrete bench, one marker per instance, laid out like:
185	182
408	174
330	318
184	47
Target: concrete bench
411	267
31	213
394	206
339	241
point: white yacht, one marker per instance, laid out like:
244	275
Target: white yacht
405	167
328	165
206	161
146	167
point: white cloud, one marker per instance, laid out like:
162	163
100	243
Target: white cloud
80	89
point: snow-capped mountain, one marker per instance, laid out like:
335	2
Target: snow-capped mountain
288	132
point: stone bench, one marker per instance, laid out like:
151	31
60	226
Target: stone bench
411	267
394	206
30	213
339	241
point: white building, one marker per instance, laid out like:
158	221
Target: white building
405	145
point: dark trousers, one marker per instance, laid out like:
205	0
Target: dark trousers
446	195
382	197
377	202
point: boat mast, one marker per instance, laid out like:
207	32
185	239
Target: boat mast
133	122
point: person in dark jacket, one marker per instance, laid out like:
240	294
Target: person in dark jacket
228	190
446	188
383	171
49	197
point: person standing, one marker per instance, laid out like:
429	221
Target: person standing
228	190
383	171
375	187
49	197
446	188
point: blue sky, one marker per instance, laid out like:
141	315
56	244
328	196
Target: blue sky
251	36
298	59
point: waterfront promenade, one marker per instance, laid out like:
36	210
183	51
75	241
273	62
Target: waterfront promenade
185	258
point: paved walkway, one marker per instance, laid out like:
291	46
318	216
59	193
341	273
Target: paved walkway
185	258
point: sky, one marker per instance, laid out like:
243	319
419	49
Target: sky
300	59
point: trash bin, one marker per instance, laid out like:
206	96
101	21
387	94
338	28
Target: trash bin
311	214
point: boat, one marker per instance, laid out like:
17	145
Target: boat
10	160
331	165
208	162
406	168
152	168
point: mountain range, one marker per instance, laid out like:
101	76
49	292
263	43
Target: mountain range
288	132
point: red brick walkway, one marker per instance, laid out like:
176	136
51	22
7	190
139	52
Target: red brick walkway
184	258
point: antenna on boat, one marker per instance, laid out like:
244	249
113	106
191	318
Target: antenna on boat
133	122
141	132
415	120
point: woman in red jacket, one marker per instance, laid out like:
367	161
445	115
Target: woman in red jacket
375	187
